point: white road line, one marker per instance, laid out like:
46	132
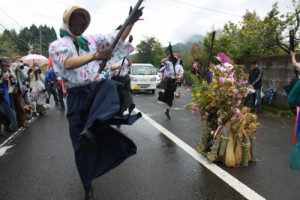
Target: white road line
15	134
225	176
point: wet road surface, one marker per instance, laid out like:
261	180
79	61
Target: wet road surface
41	164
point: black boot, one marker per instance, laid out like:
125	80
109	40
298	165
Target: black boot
89	195
34	114
161	96
168	114
86	137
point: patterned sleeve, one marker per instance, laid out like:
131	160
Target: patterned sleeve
168	64
121	50
180	71
59	52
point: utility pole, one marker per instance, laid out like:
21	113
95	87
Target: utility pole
40	41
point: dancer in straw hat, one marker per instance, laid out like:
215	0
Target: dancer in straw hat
92	101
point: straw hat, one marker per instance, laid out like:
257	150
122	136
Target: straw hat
76	9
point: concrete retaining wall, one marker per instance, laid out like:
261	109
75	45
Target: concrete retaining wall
277	70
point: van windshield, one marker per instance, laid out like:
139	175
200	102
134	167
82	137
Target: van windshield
143	70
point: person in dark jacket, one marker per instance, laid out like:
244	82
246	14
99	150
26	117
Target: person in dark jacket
51	84
255	81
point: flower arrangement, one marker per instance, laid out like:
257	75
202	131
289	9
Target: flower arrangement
224	95
220	105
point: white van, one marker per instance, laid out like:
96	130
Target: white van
143	77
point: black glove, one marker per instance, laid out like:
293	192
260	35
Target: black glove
130	38
136	15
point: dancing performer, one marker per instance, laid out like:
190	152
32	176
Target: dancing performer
92	102
173	71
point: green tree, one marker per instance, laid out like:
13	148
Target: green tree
23	43
35	39
276	26
29	40
272	32
8	42
47	36
149	50
254	37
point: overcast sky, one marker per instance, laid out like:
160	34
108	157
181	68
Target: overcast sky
166	20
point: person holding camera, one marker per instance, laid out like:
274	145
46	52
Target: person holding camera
21	77
36	79
8	115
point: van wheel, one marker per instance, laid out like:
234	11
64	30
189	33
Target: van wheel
152	91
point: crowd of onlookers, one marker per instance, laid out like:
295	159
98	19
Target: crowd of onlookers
25	93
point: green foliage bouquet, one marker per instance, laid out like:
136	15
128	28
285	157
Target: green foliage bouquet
221	100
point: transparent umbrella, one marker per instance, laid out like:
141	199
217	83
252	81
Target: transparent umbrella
30	58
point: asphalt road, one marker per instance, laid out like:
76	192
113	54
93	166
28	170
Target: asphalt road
41	164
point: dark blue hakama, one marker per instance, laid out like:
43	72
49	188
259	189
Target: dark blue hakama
169	85
95	107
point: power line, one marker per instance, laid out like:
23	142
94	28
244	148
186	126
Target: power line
209	9
168	15
10	17
102	13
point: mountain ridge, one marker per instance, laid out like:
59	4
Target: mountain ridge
186	46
